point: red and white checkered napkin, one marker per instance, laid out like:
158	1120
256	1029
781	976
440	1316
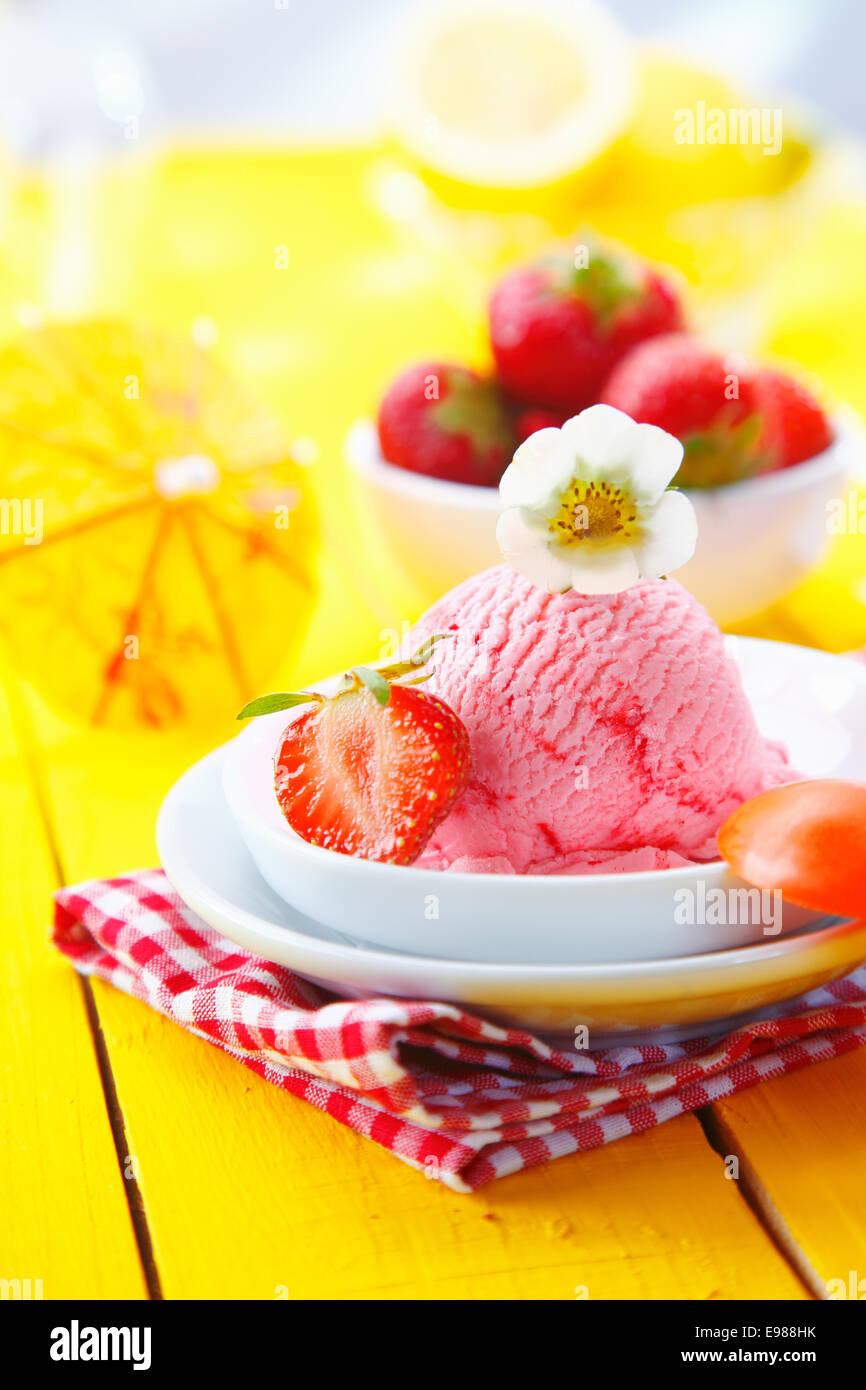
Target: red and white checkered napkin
455	1096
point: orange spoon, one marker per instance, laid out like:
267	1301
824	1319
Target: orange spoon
807	839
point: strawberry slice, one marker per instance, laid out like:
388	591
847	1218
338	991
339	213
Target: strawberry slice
807	839
372	770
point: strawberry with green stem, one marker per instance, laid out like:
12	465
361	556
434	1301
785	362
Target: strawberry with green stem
448	422
795	426
373	769
708	399
558	326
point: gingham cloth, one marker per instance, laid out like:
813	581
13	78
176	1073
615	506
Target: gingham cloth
449	1093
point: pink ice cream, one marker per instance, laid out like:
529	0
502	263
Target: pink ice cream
607	733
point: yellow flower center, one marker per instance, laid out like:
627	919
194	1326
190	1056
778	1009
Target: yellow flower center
595	512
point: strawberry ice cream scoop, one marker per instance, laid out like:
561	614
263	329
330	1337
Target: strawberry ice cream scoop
607	732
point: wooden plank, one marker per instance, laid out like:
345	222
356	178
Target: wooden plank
251	1193
248	1191
64	1217
803	1138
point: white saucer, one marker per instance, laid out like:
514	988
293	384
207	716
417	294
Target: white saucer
660	1000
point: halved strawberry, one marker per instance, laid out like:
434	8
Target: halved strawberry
372	770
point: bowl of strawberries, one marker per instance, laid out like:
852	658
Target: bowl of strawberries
762	460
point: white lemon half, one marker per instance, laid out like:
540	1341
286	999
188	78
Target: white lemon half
507	94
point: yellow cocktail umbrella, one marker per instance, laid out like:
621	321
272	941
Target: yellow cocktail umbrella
155	534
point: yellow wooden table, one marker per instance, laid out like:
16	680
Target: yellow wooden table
137	1161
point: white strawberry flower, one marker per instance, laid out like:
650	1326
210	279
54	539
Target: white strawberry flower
588	507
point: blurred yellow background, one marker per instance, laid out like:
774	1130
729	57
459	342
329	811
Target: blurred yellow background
323	268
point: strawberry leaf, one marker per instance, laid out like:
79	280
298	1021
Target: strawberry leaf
418	658
606	283
420	680
375	683
269	704
376	680
473	408
721	454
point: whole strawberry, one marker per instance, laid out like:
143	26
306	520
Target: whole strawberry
795	426
531	420
448	422
708	399
558	327
373	769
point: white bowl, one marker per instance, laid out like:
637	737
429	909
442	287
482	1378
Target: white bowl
756	540
813	702
634	1002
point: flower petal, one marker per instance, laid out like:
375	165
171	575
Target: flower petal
599	440
600	444
668	536
656	457
530	549
606	570
538	472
